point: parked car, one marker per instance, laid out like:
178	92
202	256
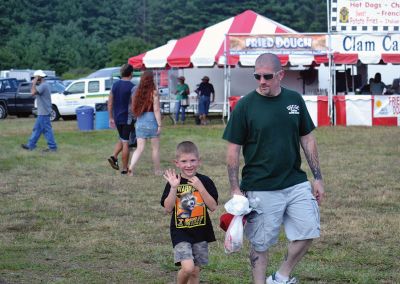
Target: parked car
82	92
114	72
56	86
105	72
15	98
67	82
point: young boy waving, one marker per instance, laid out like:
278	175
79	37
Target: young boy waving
187	196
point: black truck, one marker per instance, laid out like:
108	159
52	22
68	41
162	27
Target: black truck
15	98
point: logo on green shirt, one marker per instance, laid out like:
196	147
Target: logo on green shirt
293	109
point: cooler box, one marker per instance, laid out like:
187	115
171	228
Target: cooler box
84	116
101	116
233	101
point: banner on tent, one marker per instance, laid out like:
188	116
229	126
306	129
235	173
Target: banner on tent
366	43
365	16
387	106
281	44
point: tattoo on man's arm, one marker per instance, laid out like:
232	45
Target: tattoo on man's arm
313	162
233	171
253	259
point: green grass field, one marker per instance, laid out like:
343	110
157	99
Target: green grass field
67	217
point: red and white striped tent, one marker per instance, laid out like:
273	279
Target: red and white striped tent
353	58
205	48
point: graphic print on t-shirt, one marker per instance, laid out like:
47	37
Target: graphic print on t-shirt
190	210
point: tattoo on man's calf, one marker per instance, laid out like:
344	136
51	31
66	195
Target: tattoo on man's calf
253	259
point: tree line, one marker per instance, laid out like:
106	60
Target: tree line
74	37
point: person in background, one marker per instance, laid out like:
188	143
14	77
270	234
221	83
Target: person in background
270	124
395	88
366	89
377	86
146	109
118	110
131	119
189	195
206	95
41	90
182	99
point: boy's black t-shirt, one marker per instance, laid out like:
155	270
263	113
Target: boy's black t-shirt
190	221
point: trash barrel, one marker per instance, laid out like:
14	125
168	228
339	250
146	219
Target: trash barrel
84	116
101	116
233	101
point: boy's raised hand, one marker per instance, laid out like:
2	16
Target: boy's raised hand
171	176
196	182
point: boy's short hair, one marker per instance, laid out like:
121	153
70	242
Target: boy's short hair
186	147
126	70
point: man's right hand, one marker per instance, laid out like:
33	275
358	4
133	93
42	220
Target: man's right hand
236	191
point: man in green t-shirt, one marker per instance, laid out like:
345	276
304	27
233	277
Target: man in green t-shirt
270	124
182	99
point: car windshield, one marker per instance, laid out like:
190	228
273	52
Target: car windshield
106	72
56	87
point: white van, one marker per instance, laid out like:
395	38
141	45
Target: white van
81	92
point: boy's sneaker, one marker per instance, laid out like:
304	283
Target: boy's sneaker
271	280
113	163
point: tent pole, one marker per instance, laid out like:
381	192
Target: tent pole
157	82
331	64
225	95
352	79
225	110
229	84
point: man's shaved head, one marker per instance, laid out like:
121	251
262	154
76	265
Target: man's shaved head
269	59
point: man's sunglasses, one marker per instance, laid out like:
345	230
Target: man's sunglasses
265	76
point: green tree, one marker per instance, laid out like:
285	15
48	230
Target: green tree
28	49
94	34
122	49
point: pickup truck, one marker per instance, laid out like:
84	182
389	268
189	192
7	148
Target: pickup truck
15	98
81	92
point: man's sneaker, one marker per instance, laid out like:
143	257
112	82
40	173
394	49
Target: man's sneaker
113	163
271	280
48	150
26	147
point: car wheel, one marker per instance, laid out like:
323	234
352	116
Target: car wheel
3	111
54	115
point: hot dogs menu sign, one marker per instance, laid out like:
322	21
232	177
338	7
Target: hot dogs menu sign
365	16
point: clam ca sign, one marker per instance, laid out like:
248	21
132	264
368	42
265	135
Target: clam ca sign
351	43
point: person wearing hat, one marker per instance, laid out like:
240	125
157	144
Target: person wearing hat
41	90
182	99
204	92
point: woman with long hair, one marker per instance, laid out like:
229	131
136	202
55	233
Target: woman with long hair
146	109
